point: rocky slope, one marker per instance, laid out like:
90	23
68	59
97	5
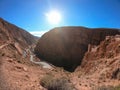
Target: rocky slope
105	56
66	46
101	65
11	33
14	40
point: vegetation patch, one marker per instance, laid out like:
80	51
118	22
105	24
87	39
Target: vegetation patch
109	88
52	83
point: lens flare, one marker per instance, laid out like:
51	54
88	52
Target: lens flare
53	17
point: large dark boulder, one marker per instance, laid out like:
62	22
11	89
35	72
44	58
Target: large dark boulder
66	46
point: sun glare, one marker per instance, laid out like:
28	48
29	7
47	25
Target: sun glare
53	17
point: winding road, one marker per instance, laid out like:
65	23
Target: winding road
43	64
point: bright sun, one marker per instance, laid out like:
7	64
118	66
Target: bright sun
53	17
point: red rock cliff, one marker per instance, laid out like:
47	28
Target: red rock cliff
66	46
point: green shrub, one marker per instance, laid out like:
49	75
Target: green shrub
45	81
109	88
52	83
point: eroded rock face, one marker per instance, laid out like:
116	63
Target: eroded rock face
14	40
103	61
66	46
12	33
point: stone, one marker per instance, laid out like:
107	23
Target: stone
66	46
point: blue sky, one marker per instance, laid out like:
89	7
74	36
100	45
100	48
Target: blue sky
30	14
